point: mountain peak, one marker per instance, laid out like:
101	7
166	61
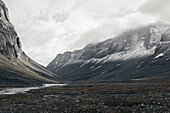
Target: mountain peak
110	57
10	44
162	24
5	24
3	12
4	18
16	67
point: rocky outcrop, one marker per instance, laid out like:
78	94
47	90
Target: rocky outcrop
10	45
16	68
164	45
166	36
163	48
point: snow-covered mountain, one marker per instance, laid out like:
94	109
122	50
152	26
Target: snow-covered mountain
133	54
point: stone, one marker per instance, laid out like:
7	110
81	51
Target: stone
166	35
10	44
18	68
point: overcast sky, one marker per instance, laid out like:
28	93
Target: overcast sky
49	27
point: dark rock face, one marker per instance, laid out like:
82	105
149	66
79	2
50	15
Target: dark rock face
16	68
130	55
166	35
10	45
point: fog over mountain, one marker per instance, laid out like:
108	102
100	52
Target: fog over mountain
99	56
48	27
137	53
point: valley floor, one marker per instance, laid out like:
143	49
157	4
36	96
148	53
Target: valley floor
96	97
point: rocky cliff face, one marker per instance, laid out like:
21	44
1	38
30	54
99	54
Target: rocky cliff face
16	68
119	58
163	49
10	45
166	36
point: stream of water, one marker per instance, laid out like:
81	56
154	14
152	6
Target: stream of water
10	91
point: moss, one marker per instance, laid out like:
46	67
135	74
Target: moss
13	66
80	98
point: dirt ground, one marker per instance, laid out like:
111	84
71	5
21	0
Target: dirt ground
97	97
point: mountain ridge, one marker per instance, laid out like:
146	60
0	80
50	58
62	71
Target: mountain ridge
16	68
95	60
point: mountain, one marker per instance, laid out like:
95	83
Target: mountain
135	54
16	68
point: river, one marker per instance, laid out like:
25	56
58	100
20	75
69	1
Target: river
10	91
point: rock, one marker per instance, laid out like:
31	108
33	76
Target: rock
10	45
166	35
16	67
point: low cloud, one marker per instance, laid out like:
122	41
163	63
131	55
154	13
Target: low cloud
157	8
49	27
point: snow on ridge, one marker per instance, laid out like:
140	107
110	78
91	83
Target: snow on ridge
160	55
141	63
92	67
167	59
103	72
97	68
137	52
83	64
118	65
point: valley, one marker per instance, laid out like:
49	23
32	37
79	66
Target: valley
128	73
93	97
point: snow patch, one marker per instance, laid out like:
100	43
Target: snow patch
92	67
140	65
82	65
96	68
167	59
118	65
103	72
160	55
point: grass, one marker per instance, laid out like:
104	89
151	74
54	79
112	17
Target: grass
13	67
92	98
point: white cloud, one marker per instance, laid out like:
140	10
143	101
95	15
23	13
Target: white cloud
157	8
49	27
